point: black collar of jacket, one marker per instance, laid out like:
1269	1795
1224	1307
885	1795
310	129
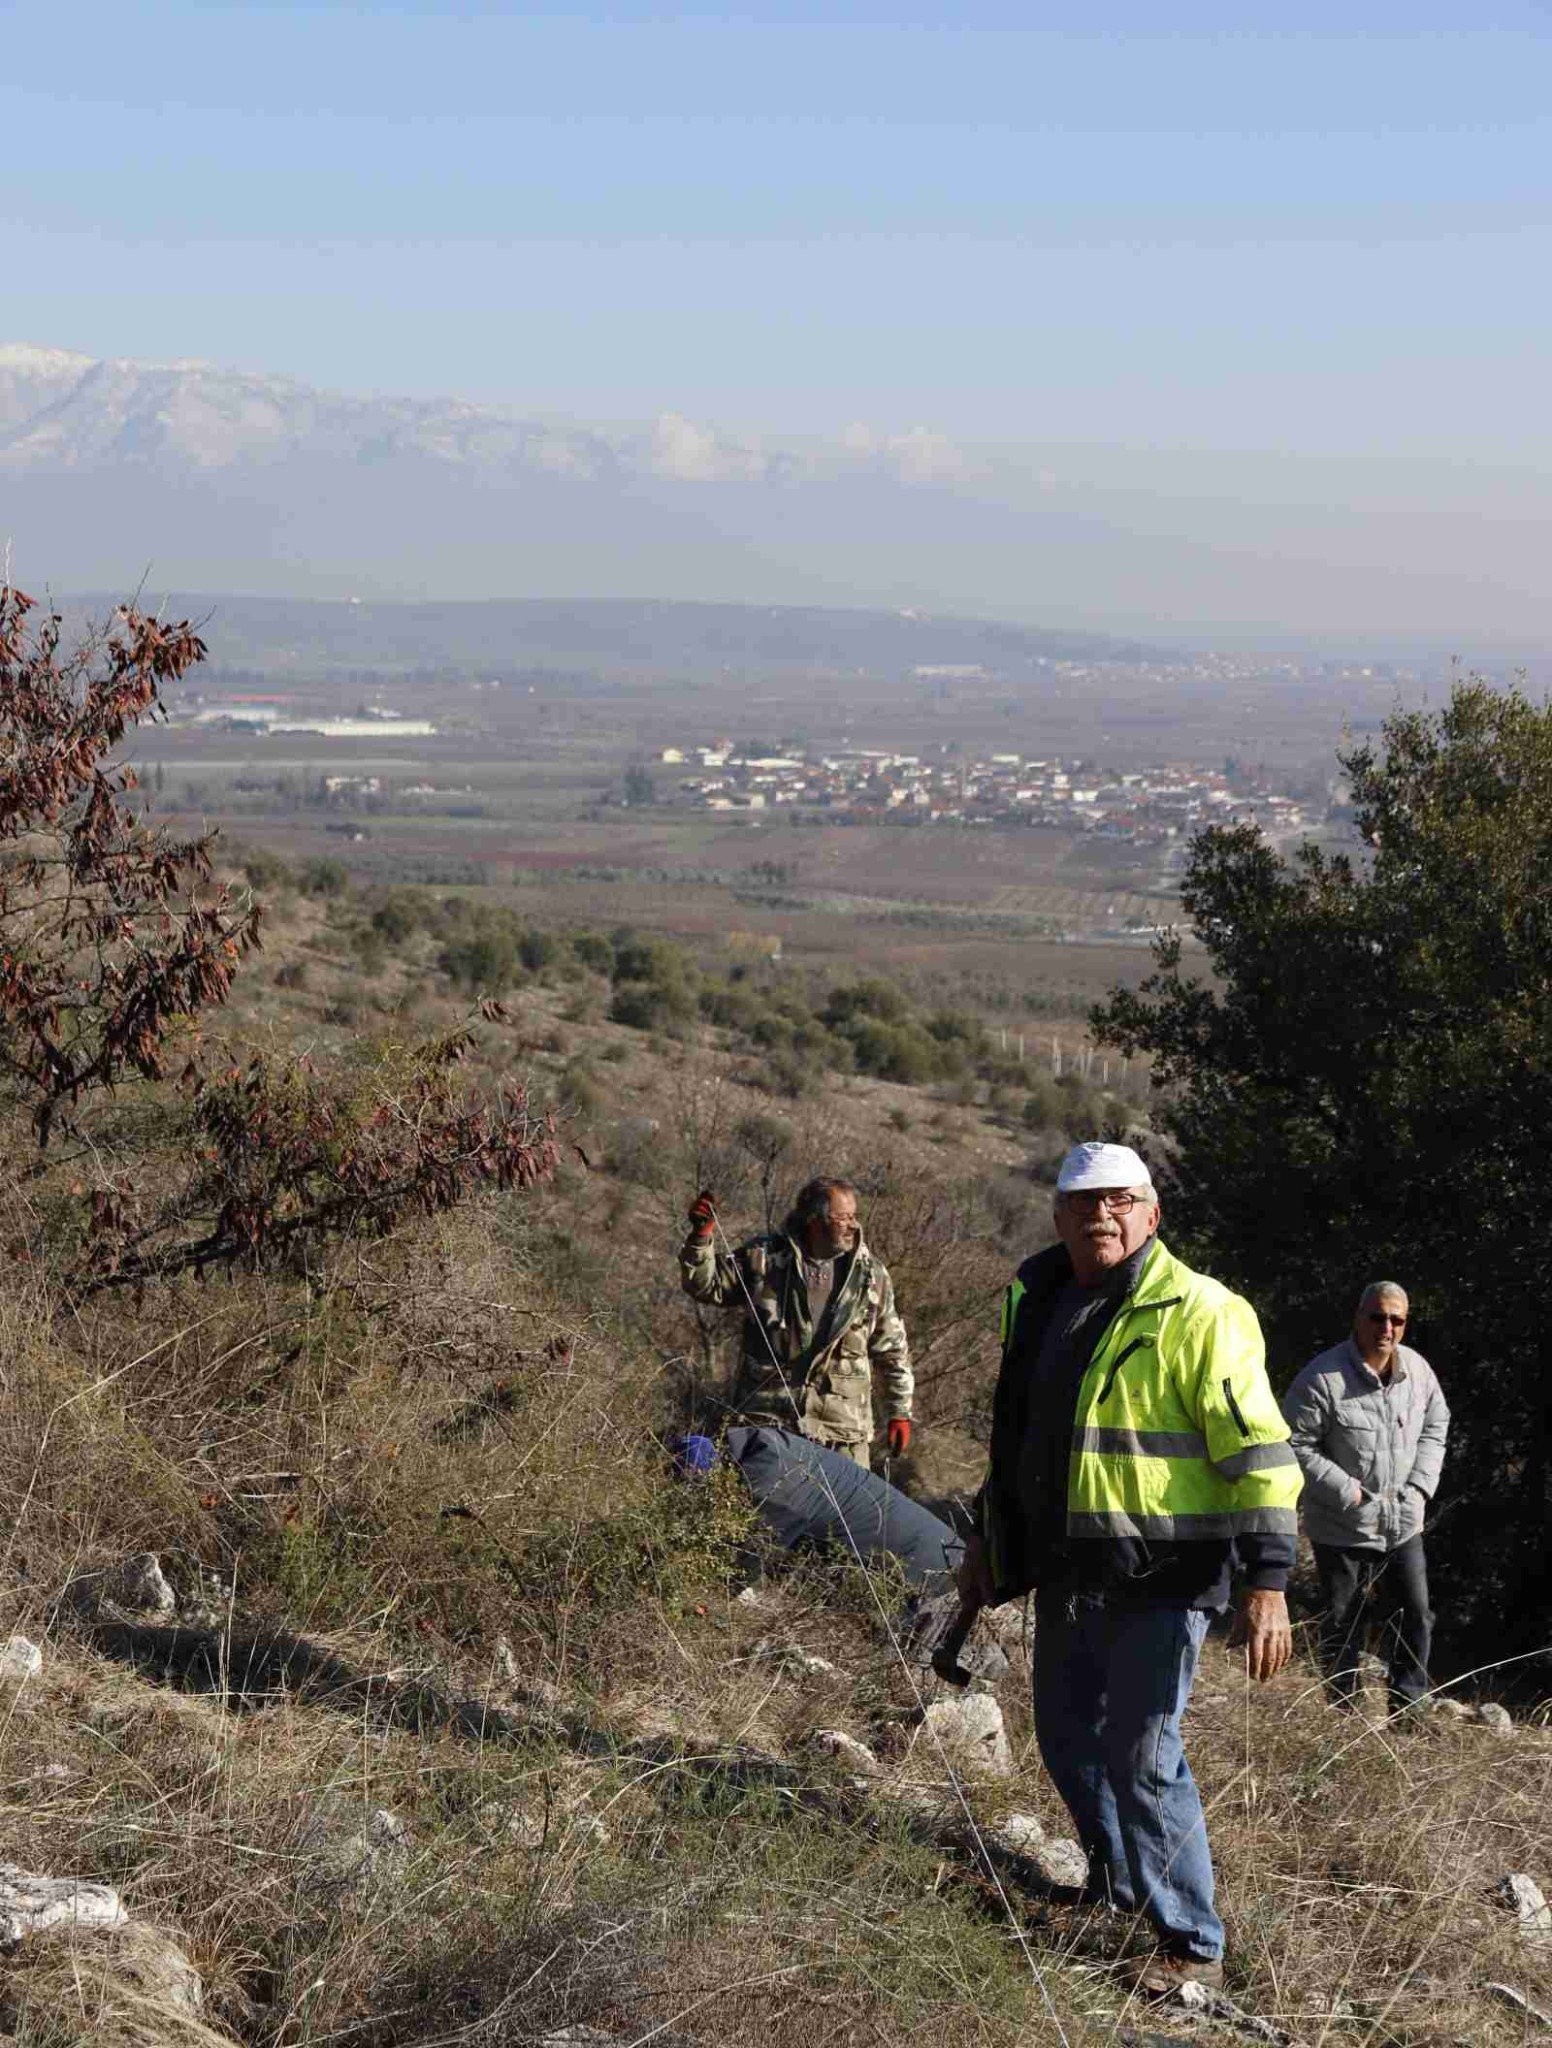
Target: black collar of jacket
1044	1276
1046	1273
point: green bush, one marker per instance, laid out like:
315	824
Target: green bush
323	878
371	949
958	1030
538	950
684	1540
593	950
639	959
895	1052
876	999
647	1006
578	1088
655	983
264	870
785	1075
485	964
398	917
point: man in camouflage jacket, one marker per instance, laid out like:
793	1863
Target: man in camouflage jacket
819	1315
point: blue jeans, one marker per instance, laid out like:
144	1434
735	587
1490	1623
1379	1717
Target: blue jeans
1111	1683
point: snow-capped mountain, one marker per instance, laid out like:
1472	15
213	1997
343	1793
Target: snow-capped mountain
112	469
62	411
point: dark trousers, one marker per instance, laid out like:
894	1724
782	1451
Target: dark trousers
1389	1590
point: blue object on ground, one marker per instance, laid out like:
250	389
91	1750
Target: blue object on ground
692	1455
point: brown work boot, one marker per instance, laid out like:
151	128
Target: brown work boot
1158	1975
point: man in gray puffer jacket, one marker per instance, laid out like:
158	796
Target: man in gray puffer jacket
1368	1424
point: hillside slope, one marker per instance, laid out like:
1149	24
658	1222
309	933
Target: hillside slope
452	1717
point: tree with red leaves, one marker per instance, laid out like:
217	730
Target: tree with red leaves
116	939
111	931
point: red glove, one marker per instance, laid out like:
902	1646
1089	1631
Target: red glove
898	1436
703	1214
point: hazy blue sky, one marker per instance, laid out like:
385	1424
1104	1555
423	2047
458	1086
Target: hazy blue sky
1301	230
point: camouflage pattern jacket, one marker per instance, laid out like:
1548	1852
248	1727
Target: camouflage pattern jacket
831	1380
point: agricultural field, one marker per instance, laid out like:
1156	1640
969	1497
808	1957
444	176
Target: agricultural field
542	830
516	797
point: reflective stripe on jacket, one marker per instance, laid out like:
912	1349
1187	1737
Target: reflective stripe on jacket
1177	1435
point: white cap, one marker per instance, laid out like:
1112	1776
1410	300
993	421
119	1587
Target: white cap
1092	1165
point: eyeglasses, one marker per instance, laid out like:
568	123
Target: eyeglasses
1378	1315
1089	1201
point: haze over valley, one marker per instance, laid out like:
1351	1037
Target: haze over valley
211	479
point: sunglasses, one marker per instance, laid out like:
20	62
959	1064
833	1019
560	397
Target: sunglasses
1378	1315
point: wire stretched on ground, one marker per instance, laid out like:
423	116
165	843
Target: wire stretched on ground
904	1662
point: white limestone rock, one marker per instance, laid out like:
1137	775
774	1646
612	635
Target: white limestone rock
19	1661
1060	1860
968	1733
529	1829
1512	1996
30	1903
1010	1626
936	1806
132	1590
1054	1858
151	1961
1019	1833
796	1662
846	1749
1526	1900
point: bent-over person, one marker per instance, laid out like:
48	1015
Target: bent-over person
819	1320
1369	1422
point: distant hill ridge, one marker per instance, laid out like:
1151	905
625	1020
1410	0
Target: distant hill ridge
506	634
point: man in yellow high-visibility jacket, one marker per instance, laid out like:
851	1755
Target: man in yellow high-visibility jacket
1139	1460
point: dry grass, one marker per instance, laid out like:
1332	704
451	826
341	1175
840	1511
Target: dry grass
307	1442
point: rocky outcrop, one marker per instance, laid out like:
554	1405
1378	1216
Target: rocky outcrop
133	1589
77	1962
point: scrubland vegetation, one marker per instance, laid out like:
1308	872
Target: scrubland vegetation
353	1300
